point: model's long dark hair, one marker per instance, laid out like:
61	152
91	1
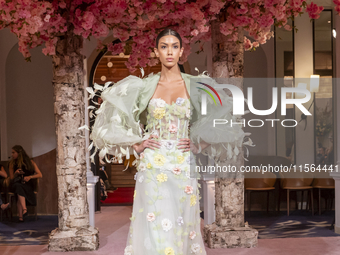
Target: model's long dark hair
168	31
22	159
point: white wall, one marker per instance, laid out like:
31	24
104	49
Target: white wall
26	100
7	40
26	97
29	102
260	64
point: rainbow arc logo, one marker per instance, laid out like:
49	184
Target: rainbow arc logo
209	93
204	97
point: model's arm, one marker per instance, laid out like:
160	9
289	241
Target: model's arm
114	130
3	172
149	143
37	173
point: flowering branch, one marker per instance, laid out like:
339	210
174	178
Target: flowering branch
40	22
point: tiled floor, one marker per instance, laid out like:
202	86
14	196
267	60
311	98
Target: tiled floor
113	223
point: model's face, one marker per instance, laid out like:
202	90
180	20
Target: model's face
14	154
169	50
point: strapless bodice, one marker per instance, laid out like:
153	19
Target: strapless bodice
168	121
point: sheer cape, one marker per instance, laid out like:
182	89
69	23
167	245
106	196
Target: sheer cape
117	124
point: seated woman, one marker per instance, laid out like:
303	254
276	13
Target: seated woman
22	170
3	176
3	206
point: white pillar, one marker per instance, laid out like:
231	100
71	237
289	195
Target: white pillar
91	179
336	175
91	191
208	185
303	57
207	182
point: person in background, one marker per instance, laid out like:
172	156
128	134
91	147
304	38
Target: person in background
3	176
4	206
23	171
103	176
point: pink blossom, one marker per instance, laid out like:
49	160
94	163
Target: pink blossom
177	171
287	27
116	48
88	20
62	5
192	235
189	189
314	11
150	217
247	44
35	22
194	32
173	128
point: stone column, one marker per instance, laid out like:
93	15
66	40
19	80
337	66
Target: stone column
74	232
229	230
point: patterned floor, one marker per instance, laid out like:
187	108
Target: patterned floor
298	224
30	232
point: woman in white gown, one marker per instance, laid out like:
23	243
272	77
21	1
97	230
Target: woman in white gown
166	215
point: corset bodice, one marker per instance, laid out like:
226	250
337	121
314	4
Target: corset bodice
168	121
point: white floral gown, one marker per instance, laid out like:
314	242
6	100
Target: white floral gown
166	215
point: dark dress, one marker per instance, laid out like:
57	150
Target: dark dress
25	189
1	185
2	179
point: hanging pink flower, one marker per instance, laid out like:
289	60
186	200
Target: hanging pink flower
314	11
38	22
